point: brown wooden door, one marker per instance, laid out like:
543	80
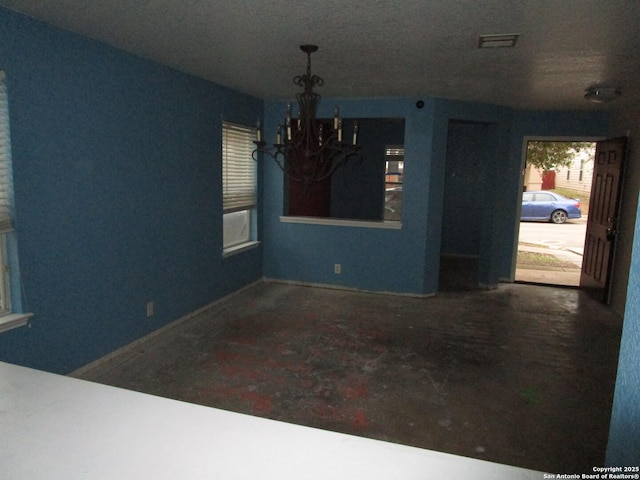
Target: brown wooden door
599	243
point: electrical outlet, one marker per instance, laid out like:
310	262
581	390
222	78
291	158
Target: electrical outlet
337	269
150	309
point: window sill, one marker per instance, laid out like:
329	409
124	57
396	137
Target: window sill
228	252
338	222
14	320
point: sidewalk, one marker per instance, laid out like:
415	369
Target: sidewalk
551	275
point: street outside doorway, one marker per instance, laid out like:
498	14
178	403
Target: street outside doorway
550	253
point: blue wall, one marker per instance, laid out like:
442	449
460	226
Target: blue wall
371	259
407	260
624	435
117	193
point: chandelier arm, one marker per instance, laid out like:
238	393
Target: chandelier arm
339	163
275	157
332	145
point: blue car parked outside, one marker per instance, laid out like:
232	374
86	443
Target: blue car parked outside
549	206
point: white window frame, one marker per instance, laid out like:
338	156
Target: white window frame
8	318
239	184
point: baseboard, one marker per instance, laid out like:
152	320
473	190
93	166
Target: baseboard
459	255
348	289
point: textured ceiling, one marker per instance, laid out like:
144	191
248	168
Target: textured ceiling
378	48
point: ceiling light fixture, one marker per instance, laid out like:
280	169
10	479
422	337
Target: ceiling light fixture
308	149
601	94
505	40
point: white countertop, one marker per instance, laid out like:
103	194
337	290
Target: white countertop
55	427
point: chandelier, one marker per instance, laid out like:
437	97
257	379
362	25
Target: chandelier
308	149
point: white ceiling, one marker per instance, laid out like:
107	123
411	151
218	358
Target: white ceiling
378	48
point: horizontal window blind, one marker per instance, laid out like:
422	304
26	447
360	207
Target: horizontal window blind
238	168
6	182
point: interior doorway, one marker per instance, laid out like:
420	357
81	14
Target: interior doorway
556	190
462	210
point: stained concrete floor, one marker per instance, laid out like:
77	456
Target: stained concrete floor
521	375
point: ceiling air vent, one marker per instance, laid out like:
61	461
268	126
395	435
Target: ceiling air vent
506	40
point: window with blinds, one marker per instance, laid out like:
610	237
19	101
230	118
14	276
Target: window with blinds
6	223
238	168
238	184
6	195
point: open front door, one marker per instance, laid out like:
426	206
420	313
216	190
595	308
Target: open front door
603	216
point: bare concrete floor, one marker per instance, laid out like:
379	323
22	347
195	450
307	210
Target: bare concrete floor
522	375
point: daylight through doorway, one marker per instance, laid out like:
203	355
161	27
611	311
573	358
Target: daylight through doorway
557	183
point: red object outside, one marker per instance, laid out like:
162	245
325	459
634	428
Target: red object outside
549	180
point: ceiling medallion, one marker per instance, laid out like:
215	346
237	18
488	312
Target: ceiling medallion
601	94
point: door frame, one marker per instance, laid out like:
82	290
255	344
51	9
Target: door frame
523	165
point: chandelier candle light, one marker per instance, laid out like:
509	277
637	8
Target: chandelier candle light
307	149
